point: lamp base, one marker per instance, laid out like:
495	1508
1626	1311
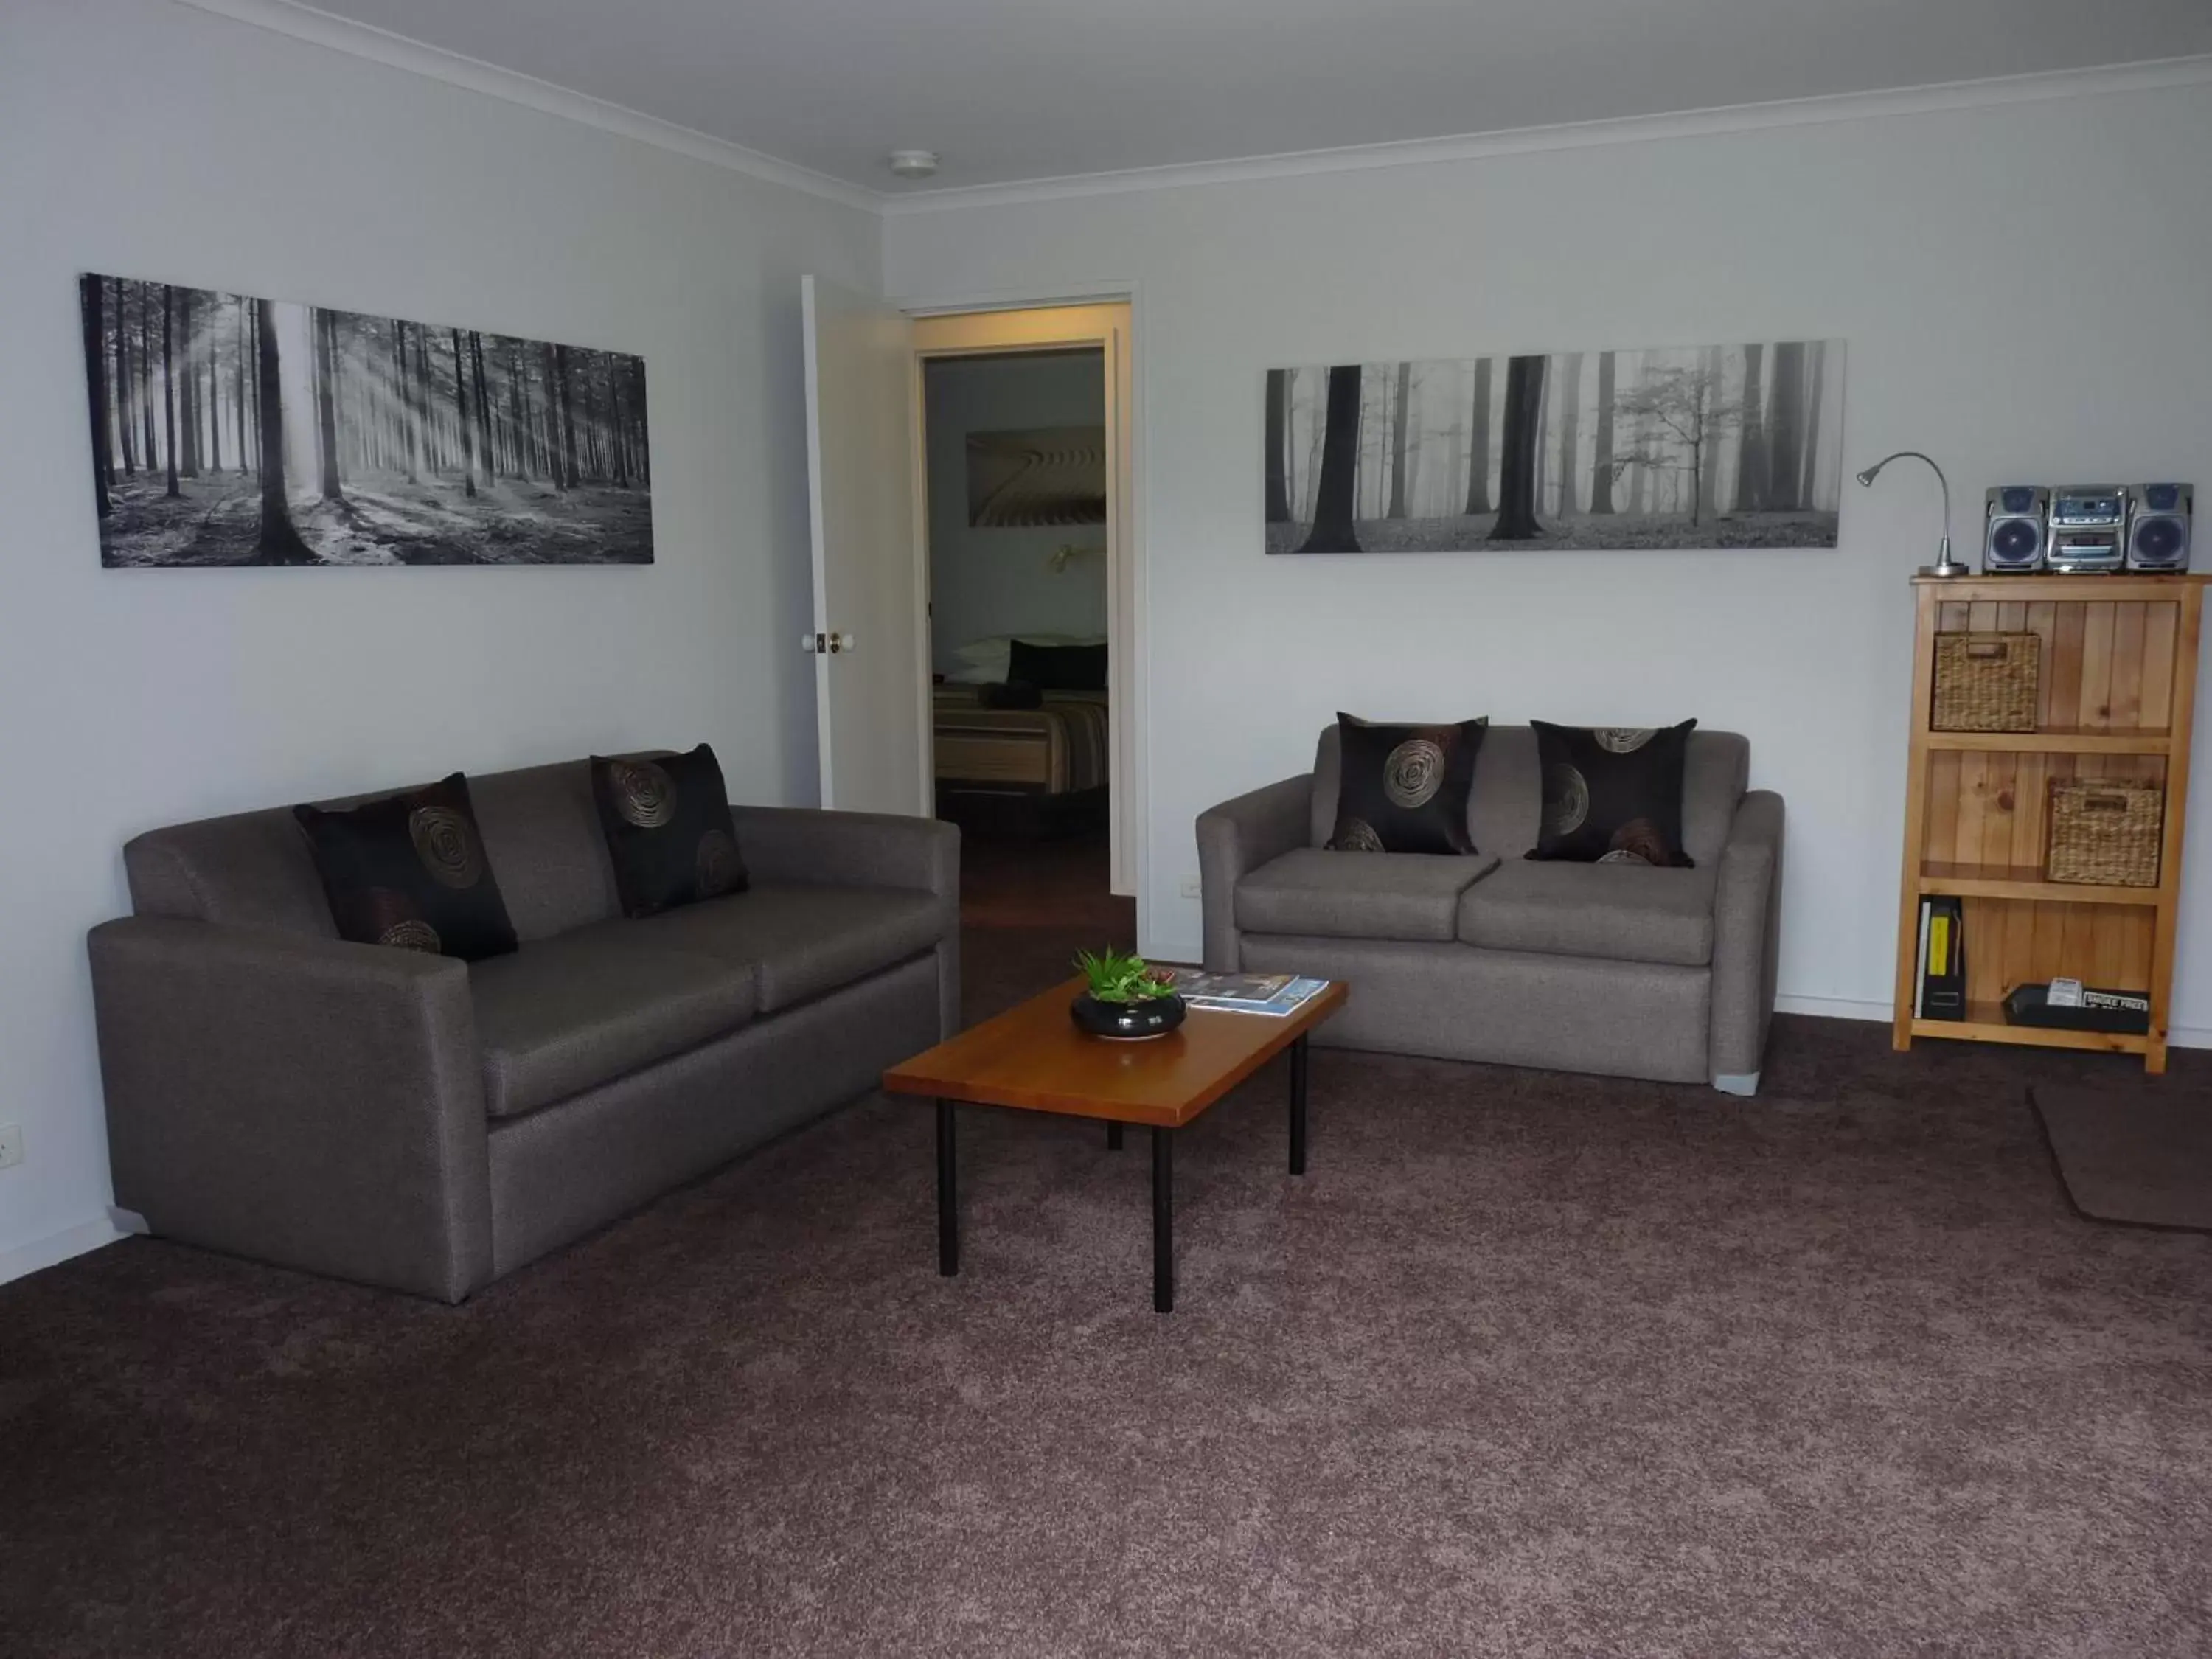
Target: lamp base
1948	570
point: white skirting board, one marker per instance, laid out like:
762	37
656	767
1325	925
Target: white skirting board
58	1246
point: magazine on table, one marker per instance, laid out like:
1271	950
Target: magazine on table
1273	995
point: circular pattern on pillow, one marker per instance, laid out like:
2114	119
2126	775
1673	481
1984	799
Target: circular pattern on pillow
1566	800
643	794
1622	739
1356	836
1414	773
719	867
413	934
446	844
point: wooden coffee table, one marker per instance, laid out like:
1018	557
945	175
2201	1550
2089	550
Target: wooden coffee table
1032	1059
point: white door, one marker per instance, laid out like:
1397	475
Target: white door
868	594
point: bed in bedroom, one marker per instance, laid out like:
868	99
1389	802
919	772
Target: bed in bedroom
1039	770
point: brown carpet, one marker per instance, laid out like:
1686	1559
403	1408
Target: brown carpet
2141	1156
1530	1364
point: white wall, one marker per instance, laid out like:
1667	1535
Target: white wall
149	139
989	581
1924	240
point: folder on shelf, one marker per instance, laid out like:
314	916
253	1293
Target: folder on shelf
1942	983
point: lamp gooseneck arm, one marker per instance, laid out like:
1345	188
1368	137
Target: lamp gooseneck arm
1866	477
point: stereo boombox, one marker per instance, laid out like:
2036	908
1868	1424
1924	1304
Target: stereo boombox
2087	529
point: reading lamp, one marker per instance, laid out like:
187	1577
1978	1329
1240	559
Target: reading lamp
1944	565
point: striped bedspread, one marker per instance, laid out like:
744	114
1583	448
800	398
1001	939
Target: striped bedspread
1054	750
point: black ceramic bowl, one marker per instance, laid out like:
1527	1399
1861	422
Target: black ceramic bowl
1127	1022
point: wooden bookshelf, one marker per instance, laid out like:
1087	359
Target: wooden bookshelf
2114	700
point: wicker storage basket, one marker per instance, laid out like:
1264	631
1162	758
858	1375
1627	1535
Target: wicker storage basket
2106	831
1986	682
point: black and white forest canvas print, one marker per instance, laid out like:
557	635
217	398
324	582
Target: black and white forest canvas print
230	431
1703	446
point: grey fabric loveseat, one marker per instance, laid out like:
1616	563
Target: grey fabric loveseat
1623	970
427	1124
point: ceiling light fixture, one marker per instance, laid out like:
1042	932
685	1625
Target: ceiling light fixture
913	163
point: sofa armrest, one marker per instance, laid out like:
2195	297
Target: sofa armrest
1238	836
1746	938
849	849
300	1100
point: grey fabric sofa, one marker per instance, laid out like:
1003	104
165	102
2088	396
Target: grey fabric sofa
426	1124
1617	969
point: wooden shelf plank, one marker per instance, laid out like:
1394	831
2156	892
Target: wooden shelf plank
2078	590
1985	1023
2058	740
2014	881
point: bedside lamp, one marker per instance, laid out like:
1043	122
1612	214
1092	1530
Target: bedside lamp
1945	565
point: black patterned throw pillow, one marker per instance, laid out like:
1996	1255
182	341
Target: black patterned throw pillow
410	871
1404	788
668	829
1613	795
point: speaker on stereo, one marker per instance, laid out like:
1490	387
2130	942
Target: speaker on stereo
2017	528
2158	526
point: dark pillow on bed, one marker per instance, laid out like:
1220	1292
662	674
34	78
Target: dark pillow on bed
1009	694
1057	667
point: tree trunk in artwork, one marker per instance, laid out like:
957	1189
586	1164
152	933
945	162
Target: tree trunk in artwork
518	441
1815	393
146	373
1334	503
484	404
327	421
1402	413
119	402
169	383
189	409
279	540
1751	447
1602	463
1478	443
426	411
1278	422
1524	442
1571	429
561	361
1785	429
410	428
211	428
1712	421
95	378
461	417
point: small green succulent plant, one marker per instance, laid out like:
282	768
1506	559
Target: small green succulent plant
1124	976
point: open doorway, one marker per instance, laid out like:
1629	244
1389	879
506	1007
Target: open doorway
1023	488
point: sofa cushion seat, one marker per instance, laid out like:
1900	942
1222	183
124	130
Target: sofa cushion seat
799	942
1621	912
1402	896
566	1014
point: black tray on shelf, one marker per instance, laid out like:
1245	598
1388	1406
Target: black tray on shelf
2024	1005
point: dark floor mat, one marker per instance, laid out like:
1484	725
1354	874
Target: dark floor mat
2128	1159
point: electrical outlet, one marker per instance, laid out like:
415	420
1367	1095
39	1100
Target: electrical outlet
1190	888
11	1145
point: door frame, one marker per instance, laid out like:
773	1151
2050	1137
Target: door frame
996	324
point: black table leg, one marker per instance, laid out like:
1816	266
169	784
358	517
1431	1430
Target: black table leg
1112	1136
948	1196
1298	1105
1163	1220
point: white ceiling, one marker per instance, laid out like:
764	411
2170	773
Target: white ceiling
1017	89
